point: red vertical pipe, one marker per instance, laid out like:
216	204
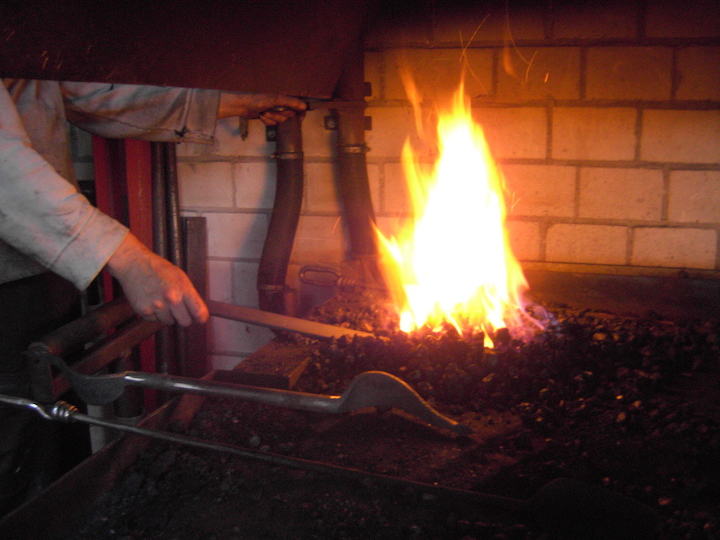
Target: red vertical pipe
138	166
124	191
139	190
108	182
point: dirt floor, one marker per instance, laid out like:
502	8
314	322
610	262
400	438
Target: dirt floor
626	405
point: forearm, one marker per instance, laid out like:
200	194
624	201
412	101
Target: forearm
44	217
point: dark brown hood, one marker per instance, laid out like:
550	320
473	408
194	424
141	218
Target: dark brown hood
284	46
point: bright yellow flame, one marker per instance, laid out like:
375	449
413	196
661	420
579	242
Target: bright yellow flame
453	263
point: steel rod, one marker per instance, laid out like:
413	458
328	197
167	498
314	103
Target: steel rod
66	412
267	396
281	322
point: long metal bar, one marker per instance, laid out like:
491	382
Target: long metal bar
195	246
370	389
281	322
174	360
65	412
97	323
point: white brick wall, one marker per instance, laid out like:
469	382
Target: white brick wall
675	247
514	132
605	118
611	19
541	190
593	133
696	81
694	196
589	244
622	194
682	136
629	73
533	73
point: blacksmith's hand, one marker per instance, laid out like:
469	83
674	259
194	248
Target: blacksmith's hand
271	109
156	289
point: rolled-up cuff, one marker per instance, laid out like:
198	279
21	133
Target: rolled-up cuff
87	254
200	116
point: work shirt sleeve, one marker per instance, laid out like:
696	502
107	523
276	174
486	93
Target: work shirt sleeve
144	112
42	215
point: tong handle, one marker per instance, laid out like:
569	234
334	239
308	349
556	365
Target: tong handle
266	396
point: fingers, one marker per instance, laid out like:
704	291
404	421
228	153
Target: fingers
156	289
270	108
281	110
180	314
281	103
275	116
184	313
184	309
190	310
164	315
197	308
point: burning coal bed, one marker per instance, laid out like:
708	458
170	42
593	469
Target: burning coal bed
628	403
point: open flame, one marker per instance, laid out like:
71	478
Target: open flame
452	262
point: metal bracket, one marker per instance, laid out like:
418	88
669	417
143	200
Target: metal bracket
270	133
332	123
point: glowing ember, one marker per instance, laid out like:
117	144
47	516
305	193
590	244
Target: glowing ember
452	263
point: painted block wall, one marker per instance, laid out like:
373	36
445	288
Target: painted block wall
604	117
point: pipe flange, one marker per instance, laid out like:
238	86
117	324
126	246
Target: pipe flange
287	155
353	148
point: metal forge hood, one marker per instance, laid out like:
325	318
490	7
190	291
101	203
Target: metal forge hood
283	46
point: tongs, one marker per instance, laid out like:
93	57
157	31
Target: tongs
370	389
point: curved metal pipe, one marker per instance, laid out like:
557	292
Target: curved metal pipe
353	183
285	216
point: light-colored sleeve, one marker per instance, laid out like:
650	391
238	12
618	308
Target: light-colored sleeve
44	216
142	112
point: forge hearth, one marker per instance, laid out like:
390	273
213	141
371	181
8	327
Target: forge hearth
623	402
